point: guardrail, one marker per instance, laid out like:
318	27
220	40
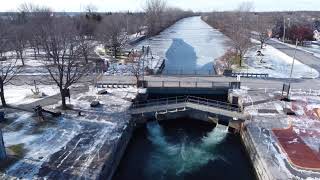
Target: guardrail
186	99
188	84
190	72
255	75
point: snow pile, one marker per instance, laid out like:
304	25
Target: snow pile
276	63
307	123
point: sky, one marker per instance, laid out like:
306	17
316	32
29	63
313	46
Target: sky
136	5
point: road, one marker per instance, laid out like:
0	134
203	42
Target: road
303	56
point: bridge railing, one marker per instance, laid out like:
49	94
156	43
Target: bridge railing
158	102
187	99
182	72
213	103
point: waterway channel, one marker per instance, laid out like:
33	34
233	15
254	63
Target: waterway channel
189	46
185	149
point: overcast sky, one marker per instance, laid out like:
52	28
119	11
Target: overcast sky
136	5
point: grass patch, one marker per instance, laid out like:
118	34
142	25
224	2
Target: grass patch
14	154
17	150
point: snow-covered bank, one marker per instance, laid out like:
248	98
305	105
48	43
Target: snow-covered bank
275	63
39	142
130	63
73	146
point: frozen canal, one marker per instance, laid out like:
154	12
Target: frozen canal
188	46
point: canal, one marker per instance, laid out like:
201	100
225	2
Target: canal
185	149
189	46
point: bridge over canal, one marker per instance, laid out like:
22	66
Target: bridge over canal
183	103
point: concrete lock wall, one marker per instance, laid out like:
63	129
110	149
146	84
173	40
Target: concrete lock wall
258	165
111	166
3	154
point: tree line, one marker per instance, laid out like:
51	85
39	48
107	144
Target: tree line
243	23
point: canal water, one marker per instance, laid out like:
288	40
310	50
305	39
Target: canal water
189	46
184	149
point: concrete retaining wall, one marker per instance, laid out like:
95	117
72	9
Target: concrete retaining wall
260	168
112	165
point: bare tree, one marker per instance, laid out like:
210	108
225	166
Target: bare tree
8	61
112	32
262	27
84	38
134	22
136	70
236	25
239	30
19	41
90	8
241	43
228	58
35	16
154	10
63	50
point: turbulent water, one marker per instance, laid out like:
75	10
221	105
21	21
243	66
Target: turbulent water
189	45
182	157
184	149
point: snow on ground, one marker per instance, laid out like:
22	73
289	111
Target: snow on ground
275	63
124	67
268	116
307	124
39	145
116	100
28	58
23	94
71	146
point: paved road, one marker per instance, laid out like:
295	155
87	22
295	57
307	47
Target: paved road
303	56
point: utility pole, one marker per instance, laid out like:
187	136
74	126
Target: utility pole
294	57
284	28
